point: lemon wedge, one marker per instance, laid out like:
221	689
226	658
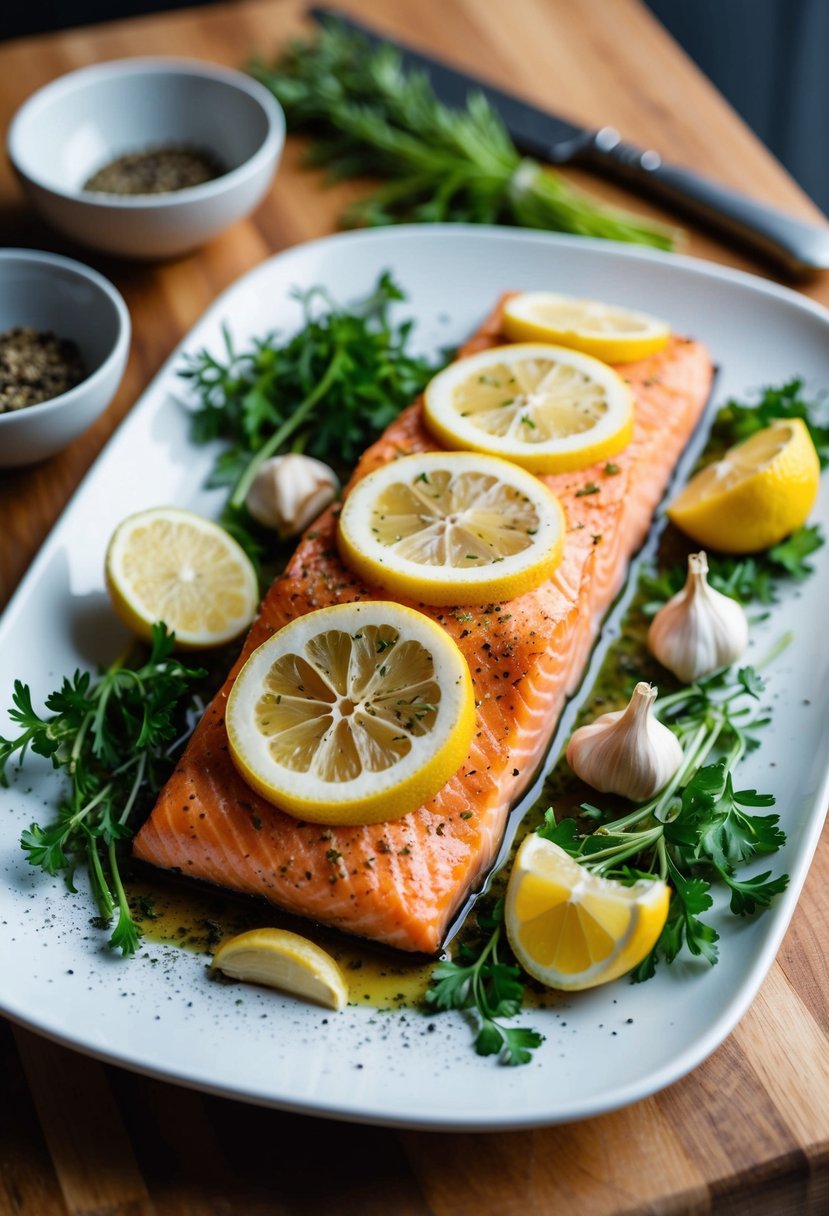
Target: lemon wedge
353	714
571	929
284	960
762	490
548	408
605	331
170	565
452	528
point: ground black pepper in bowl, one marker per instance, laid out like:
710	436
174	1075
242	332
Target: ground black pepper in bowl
36	367
156	171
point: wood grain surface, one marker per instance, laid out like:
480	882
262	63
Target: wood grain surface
748	1131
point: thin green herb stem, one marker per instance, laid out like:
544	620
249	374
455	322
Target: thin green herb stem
141	769
777	649
79	741
634	843
291	424
123	905
100	886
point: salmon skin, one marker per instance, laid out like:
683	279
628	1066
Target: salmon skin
400	882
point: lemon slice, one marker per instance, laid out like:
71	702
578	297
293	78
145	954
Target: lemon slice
353	714
545	407
761	490
571	929
606	331
452	528
284	960
170	565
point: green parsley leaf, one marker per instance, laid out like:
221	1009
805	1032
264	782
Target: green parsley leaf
116	739
738	420
493	989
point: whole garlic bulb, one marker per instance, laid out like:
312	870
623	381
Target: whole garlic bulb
288	492
627	752
699	630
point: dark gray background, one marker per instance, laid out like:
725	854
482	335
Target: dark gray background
768	57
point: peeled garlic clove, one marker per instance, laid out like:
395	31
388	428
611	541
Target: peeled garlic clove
699	630
288	492
627	752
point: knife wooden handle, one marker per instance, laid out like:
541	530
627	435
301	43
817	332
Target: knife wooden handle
800	247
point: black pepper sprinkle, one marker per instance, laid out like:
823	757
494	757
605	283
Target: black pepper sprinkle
36	367
156	171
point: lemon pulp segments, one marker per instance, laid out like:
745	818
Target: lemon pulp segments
571	929
452	528
762	490
606	331
166	564
353	714
284	960
548	408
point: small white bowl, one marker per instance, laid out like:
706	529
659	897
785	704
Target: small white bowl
83	121
56	294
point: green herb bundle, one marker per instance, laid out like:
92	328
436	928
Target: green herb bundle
329	391
116	739
368	118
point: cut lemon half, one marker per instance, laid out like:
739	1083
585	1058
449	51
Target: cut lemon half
549	409
353	714
452	528
170	565
762	490
571	929
284	960
605	331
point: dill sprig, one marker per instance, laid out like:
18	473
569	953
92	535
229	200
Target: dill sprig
370	118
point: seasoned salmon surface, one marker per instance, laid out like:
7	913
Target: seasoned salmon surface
400	882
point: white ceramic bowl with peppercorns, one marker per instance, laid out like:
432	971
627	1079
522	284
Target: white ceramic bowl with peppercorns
89	120
60	323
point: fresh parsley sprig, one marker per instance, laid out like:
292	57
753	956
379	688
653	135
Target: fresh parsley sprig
329	391
481	983
115	738
754	579
370	118
739	420
699	829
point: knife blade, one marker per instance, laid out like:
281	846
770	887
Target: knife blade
799	247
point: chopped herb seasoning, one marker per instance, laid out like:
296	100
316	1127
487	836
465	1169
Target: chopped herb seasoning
590	488
156	171
36	367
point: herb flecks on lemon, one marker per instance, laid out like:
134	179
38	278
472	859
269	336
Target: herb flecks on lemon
549	409
280	959
167	564
572	929
605	331
758	493
353	714
452	528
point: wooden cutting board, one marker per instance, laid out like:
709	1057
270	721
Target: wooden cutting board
748	1131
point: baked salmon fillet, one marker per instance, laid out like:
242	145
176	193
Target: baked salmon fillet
400	882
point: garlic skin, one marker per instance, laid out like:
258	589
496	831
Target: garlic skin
627	752
699	630
288	492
